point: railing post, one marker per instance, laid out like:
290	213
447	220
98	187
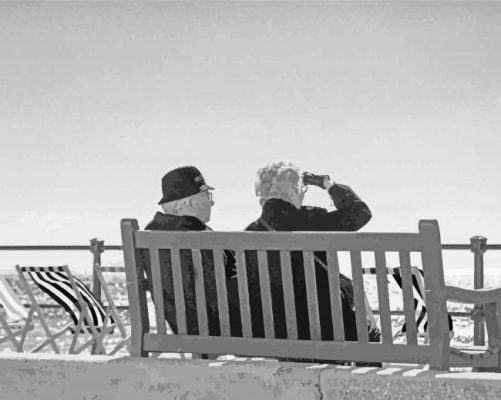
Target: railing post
96	248
478	247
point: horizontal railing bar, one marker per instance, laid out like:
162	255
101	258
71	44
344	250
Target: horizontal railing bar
118	247
468	247
57	247
120	307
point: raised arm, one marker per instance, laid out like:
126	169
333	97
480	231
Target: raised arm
351	212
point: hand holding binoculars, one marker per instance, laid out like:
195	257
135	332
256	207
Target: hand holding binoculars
316	180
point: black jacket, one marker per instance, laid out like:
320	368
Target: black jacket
168	222
351	214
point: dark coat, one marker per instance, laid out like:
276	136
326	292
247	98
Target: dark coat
351	214
167	222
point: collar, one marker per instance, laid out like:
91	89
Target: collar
166	222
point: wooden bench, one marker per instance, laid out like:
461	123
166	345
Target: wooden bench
437	352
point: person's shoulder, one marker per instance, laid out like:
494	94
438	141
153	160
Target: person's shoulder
151	226
254	226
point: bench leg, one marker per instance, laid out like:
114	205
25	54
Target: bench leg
493	324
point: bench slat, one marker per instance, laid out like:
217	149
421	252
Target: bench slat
243	291
157	290
383	297
203	328
408	297
264	281
222	296
359	294
284	348
290	304
177	277
335	296
311	293
283	241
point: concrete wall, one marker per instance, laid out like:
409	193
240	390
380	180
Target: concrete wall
53	377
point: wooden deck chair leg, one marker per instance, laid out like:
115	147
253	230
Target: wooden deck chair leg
76	334
83	315
51	340
99	349
28	326
111	305
84	346
10	334
124	342
104	331
36	308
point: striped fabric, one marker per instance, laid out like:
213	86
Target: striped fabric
55	282
11	302
418	293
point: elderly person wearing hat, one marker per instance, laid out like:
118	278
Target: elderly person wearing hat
281	188
186	203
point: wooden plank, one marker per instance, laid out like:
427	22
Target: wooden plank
264	282
436	306
359	296
158	298
138	309
311	294
408	297
177	278
243	292
493	323
98	269
289	301
289	348
222	296
383	297
203	326
309	241
456	360
335	296
479	296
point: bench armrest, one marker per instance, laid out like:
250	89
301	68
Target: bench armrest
476	296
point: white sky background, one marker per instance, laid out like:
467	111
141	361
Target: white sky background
401	101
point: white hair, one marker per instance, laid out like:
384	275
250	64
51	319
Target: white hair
187	206
269	178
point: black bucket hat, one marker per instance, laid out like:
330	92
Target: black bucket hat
182	182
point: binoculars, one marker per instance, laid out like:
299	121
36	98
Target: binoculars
316	180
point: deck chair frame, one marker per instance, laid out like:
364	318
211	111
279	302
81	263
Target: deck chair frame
111	307
17	313
80	324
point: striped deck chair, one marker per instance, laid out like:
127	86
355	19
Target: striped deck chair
418	291
87	314
110	304
17	316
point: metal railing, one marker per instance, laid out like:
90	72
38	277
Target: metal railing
478	246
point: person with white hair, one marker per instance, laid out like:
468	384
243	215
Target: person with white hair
186	201
281	188
186	204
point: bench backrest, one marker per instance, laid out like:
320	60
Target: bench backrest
145	251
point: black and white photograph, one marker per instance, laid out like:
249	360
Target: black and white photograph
250	200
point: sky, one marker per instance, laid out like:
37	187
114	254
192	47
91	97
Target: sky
400	101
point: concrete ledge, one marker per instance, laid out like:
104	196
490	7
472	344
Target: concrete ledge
63	377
